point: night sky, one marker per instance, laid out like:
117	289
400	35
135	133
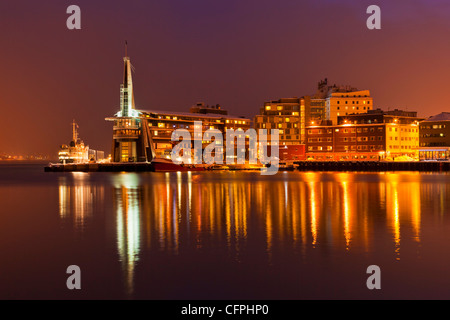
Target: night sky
238	53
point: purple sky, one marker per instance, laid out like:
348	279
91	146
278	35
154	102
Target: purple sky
238	53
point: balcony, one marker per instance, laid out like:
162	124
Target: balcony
127	133
120	127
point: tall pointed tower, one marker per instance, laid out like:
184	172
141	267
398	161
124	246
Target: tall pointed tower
132	140
127	107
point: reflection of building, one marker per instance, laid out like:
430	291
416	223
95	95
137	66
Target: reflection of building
78	199
140	136
373	135
435	137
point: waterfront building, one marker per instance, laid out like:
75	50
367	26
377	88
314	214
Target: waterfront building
374	135
161	124
345	100
141	136
290	153
291	115
287	115
434	137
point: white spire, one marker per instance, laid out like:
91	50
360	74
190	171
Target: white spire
127	107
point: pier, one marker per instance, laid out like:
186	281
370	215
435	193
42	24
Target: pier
101	167
375	166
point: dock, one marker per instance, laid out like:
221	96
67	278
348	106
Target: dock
101	167
374	166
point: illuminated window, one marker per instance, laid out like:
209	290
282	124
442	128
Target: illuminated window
268	108
280	108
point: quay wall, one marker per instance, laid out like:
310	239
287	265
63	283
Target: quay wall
379	166
376	166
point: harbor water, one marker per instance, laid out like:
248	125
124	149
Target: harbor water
223	235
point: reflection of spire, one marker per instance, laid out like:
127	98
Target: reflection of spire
128	226
128	234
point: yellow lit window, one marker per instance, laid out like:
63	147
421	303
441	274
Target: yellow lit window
295	113
268	108
287	119
161	125
280	108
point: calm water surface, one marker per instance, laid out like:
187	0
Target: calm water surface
223	235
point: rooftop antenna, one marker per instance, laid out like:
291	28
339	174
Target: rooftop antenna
126	48
74	131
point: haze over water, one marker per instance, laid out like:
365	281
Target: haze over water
223	235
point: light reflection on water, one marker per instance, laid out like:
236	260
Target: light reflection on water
76	199
293	212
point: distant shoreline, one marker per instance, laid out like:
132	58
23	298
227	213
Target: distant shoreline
25	161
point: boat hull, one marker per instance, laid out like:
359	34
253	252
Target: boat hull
163	165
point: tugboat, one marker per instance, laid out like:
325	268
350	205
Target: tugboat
76	151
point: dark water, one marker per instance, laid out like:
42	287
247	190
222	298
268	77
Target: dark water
223	235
